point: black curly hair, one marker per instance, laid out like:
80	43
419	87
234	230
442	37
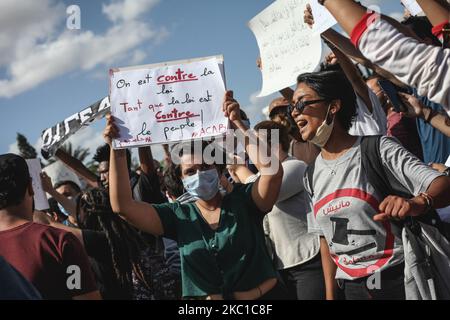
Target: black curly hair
103	152
125	242
172	181
14	180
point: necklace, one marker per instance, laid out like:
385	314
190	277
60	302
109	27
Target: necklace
332	169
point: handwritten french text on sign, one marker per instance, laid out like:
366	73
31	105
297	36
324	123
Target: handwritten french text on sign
287	45
323	20
40	197
168	103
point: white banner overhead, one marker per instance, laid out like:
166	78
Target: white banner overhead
168	102
288	47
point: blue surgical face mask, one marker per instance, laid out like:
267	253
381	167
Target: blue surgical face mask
62	208
203	184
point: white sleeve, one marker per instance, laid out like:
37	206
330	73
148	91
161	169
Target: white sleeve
412	173
424	67
292	184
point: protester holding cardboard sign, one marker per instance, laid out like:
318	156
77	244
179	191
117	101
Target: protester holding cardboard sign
231	260
168	102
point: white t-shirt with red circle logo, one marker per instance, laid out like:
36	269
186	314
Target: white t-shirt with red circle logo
344	204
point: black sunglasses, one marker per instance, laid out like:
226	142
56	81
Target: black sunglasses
300	105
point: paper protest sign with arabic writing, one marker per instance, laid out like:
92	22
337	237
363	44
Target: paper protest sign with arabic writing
168	102
323	19
412	6
40	197
287	45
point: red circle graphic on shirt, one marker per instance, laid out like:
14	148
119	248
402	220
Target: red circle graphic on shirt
389	243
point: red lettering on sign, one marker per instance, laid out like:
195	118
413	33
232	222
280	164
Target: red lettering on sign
174	115
179	76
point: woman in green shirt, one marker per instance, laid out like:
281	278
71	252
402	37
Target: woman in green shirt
221	240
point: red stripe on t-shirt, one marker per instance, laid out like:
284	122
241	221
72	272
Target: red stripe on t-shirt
361	27
437	30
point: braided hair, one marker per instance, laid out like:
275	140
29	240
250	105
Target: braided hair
124	241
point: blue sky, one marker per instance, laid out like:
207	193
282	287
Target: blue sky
48	72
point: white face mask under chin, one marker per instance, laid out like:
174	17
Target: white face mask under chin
323	133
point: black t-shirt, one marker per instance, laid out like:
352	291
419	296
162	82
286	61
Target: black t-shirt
148	189
99	251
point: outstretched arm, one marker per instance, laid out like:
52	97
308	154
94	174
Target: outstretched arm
146	160
435	11
416	109
140	214
344	45
424	67
266	188
438	12
67	204
78	167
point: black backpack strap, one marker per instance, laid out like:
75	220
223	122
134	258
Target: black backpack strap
310	175
384	182
377	176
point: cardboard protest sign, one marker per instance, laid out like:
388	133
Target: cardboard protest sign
323	19
168	102
287	45
412	6
54	137
40	197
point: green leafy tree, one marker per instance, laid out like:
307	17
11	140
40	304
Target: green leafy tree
26	150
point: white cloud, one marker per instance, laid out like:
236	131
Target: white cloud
255	109
38	56
127	10
26	23
13	148
138	57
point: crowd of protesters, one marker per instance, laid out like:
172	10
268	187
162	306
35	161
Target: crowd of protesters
357	158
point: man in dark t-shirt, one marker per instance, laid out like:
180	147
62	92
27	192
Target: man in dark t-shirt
53	260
